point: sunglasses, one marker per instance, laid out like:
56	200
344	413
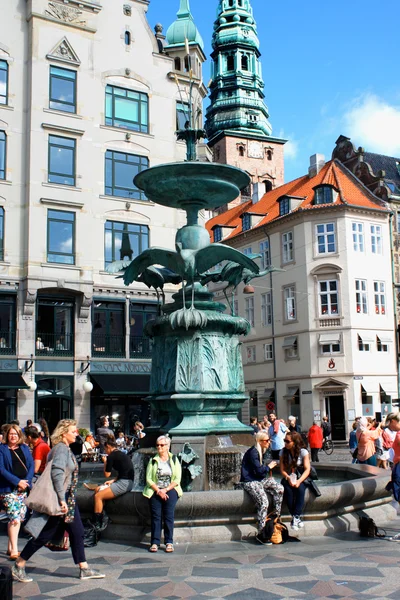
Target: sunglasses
265	440
160	445
287	441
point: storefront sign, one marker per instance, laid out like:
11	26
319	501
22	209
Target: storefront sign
317	415
306	392
120	367
358	377
8	365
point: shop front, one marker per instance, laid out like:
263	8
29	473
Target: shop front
120	390
54	399
11	381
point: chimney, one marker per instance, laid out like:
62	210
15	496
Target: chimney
258	192
317	161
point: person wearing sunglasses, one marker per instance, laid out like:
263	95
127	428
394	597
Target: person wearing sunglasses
295	468
163	489
257	481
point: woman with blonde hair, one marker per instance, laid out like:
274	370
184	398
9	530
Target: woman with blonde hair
45	528
16	472
257	481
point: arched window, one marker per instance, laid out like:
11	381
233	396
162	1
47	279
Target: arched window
241	150
268	185
230	62
269	154
177	63
127	38
1	233
187	64
245	62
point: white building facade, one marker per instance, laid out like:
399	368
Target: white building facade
322	340
88	98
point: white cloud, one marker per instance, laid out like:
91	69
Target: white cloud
374	124
291	148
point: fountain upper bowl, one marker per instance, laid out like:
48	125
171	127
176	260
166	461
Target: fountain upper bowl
192	184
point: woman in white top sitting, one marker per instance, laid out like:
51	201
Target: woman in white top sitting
295	468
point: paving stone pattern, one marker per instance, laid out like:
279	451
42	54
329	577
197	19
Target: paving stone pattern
343	566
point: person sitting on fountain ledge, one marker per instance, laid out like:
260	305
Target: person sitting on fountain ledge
295	468
257	481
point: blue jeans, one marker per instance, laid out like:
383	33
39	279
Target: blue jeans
162	512
294	498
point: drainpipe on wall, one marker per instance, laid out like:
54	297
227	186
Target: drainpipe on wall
394	301
272	320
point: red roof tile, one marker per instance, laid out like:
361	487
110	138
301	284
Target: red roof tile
350	192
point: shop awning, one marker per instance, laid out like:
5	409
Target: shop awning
329	338
121	385
12	380
290	341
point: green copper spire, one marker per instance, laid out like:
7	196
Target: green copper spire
237	96
184	28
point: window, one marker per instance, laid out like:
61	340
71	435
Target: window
330	348
289	303
217	234
3	82
358	236
124	241
1	233
362	346
182	114
230	62
246	222
361	296
269	157
379	297
60	237
325	235
241	150
247	251
3	141
328	297
287	247
177	63
268	352
7	324
249	310
62	89
290	347
127	38
128	109
55	327
265	255
284	206
376	239
140	314
324	195
266	309
381	347
245	62
108	333
121	168
62	156
251	353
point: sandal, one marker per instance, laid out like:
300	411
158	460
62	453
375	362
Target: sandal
14	556
153	548
169	548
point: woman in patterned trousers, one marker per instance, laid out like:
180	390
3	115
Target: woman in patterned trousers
257	481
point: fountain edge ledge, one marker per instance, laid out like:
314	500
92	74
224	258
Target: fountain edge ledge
213	516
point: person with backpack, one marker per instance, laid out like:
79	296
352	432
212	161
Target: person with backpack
326	427
257	481
163	489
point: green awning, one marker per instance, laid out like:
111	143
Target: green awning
12	380
121	385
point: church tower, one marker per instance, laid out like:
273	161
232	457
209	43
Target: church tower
237	123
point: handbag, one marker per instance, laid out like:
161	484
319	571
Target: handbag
59	544
43	497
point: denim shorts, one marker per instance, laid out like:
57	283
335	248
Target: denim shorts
121	486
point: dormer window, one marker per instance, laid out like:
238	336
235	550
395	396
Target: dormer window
284	206
325	194
246	222
177	63
217	234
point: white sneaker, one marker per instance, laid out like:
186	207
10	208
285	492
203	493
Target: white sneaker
295	524
300	523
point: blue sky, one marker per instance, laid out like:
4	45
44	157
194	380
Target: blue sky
330	68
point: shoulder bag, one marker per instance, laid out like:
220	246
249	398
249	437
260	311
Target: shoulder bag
43	497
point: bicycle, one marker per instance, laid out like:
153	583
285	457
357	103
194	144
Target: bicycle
327	446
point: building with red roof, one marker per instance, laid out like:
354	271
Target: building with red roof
322	335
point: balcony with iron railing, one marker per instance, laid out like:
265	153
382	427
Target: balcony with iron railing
140	347
7	342
108	346
54	344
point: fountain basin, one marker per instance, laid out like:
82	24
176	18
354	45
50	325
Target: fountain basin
182	185
215	516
